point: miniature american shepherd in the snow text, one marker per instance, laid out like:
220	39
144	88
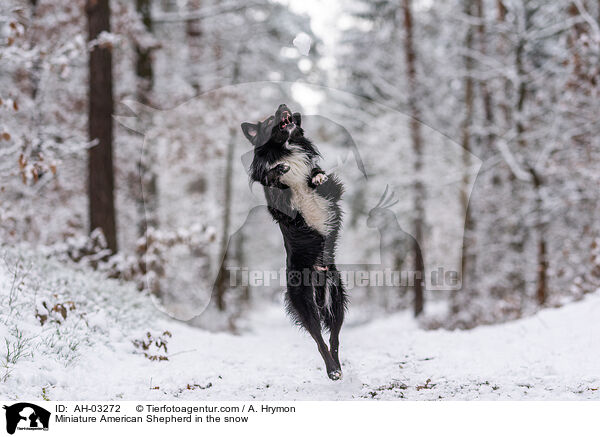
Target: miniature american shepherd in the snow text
304	201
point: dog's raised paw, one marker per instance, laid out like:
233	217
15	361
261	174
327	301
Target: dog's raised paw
335	375
319	179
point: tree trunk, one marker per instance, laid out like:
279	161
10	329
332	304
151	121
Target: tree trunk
540	226
143	64
193	32
240	259
467	252
34	73
483	84
501	10
503	49
417	144
148	197
221	286
100	159
521	93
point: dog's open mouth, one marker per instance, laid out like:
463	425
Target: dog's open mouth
286	120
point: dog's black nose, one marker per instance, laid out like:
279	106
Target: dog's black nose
282	106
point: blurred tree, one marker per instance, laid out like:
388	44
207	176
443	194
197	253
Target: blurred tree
100	157
417	144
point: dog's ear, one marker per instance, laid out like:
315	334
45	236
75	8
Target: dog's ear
250	131
297	118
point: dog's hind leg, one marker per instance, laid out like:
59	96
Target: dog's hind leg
301	306
334	317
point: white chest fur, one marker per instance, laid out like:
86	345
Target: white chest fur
315	209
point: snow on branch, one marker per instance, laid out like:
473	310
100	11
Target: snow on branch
588	19
206	12
512	163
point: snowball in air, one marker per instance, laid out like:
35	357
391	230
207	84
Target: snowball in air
302	43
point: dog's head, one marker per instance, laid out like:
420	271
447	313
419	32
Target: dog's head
275	129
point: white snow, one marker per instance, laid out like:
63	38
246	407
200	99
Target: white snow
302	42
90	355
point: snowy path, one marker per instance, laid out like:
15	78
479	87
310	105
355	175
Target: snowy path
554	355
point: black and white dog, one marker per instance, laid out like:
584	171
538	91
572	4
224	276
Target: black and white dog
304	201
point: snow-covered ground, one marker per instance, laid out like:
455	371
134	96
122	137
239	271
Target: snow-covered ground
90	354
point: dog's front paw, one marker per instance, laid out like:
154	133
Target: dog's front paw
335	375
319	178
